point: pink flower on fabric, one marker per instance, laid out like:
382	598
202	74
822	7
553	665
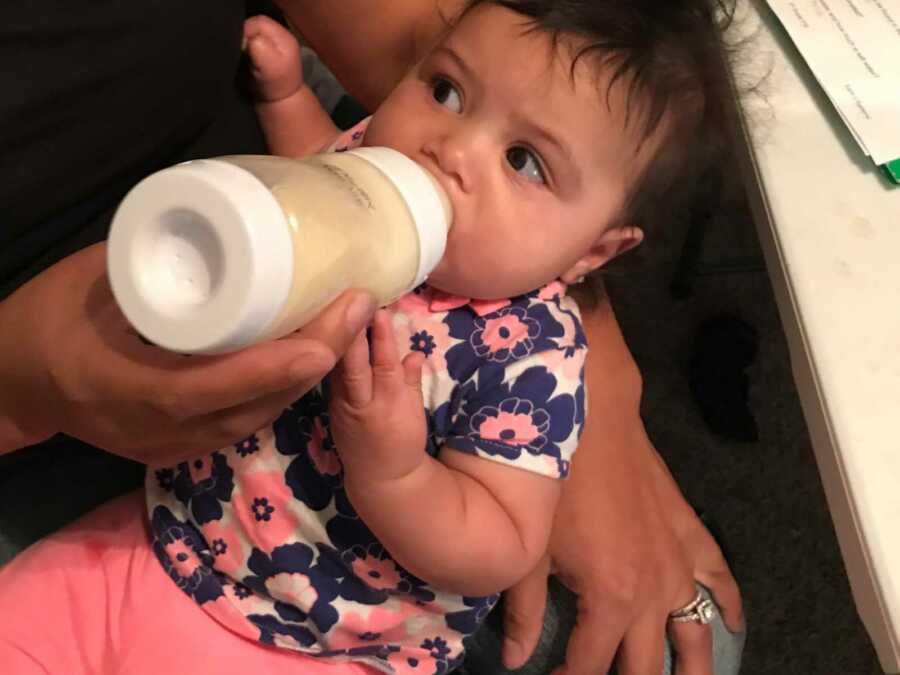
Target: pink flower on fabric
184	560
515	422
376	572
378	623
552	290
505	335
226	547
567	360
325	459
293	588
231	607
261	504
511	428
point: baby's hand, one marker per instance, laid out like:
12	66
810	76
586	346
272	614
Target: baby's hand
377	412
274	58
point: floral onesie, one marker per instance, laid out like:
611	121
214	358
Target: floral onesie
263	536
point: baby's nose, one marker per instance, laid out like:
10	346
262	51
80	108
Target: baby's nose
455	157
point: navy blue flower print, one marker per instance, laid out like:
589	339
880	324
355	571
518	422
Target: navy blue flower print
247	446
262	510
241	591
295	559
184	555
381	652
437	648
467	621
202	484
367	574
269	626
423	342
506	334
165	478
500	338
507	391
505	420
294	433
440	652
580	403
439	423
373	567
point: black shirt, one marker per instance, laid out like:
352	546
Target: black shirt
95	95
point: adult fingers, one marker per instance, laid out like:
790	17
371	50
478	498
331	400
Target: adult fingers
710	566
727	595
642	650
523	615
596	636
339	323
220	429
711	570
692	644
412	370
202	385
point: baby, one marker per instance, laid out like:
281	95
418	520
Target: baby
373	524
378	518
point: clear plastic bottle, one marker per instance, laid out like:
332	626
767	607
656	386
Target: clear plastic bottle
211	256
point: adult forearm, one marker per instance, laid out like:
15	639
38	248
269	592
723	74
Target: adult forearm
11	436
370	44
444	527
15	433
614	432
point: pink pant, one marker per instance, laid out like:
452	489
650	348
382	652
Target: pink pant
93	598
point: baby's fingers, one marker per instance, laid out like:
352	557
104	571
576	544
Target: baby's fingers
412	369
352	377
387	371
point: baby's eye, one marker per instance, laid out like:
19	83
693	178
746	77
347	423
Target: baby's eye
526	164
446	94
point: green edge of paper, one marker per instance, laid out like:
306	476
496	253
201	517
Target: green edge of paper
892	171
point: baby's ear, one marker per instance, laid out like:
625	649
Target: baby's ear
614	241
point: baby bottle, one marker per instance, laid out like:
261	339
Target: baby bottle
213	255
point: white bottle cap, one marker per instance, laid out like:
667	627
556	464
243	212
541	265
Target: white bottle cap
200	257
426	200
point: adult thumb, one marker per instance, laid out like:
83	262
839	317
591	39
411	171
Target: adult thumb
523	615
340	323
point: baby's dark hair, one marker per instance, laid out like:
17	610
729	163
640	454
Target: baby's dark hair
670	55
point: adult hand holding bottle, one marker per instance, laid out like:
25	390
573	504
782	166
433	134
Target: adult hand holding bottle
70	363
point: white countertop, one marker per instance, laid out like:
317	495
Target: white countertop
830	227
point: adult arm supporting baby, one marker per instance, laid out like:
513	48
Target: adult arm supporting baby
462	523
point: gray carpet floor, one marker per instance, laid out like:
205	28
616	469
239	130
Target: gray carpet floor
766	496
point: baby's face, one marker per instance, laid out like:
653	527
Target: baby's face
536	165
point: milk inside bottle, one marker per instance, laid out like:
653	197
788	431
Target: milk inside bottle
213	255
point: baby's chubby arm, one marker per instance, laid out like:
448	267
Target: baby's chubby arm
462	523
291	116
